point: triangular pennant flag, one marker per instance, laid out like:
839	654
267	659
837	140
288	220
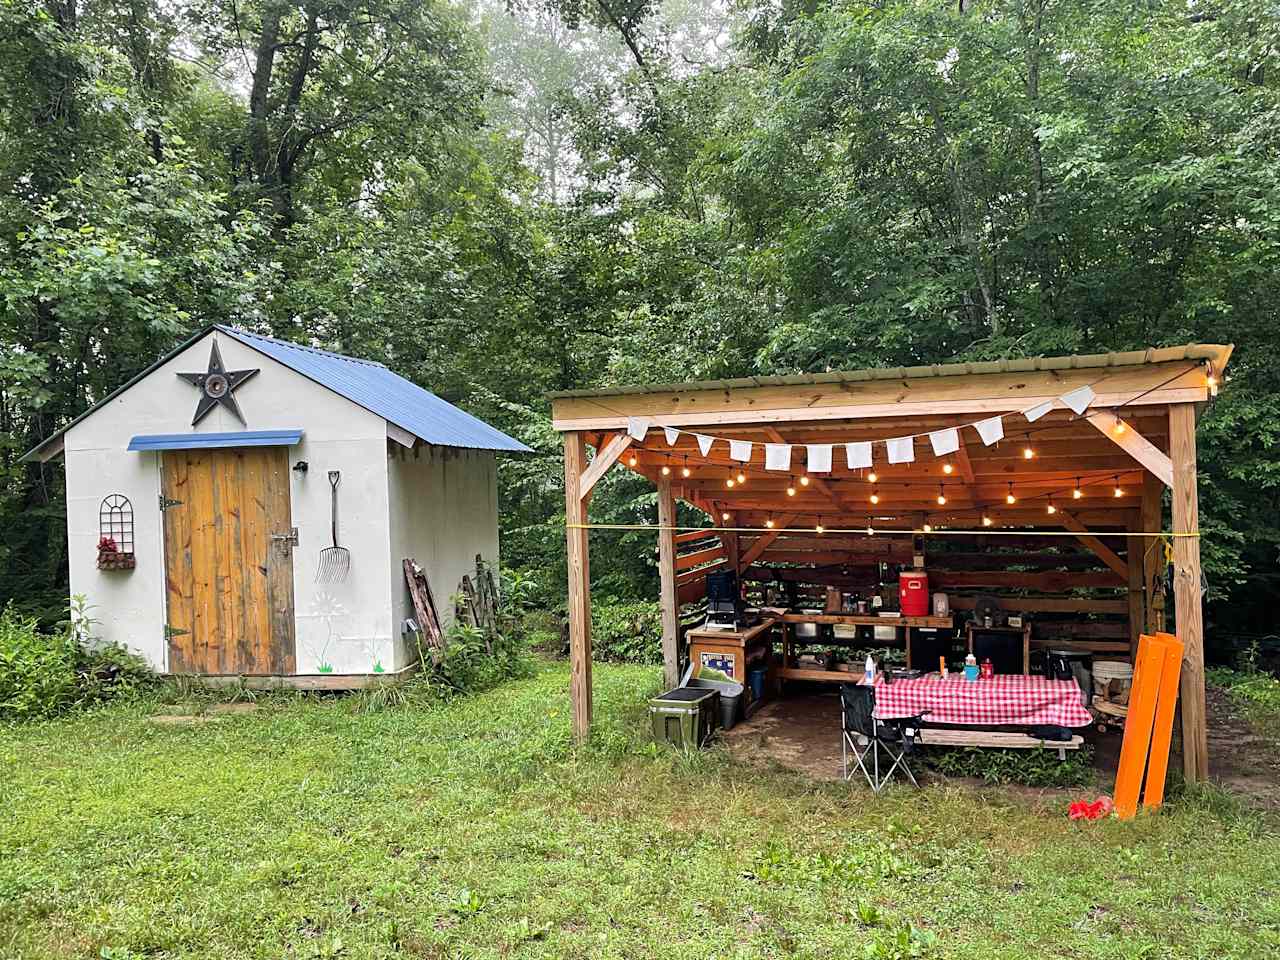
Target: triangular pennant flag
704	442
945	441
1038	411
901	449
990	430
638	427
673	435
777	456
1079	399
740	450
858	454
818	457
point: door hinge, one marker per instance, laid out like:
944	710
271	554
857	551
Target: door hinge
171	632
166	503
286	540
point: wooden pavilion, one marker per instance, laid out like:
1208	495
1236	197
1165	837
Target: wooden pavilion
1062	517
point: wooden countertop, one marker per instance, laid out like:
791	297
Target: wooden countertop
735	636
869	620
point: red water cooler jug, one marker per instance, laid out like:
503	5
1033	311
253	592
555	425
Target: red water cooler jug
913	593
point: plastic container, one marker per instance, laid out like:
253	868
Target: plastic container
685	716
913	593
941	605
1112	680
730	698
755	680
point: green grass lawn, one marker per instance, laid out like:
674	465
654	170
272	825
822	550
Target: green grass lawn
473	829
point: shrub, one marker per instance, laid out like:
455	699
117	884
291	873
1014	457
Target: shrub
1255	693
45	673
1035	768
626	631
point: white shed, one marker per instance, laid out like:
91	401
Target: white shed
214	475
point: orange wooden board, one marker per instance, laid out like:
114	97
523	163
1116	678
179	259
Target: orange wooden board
1162	732
1147	672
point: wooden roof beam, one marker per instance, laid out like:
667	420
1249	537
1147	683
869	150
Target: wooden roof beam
1127	438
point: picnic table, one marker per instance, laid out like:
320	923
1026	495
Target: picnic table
1002	700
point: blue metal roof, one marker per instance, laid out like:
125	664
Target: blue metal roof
198	441
389	395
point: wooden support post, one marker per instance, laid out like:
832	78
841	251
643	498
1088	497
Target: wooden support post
1186	590
1137	601
1152	553
575	512
668	600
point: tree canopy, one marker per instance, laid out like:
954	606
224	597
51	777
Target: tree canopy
502	201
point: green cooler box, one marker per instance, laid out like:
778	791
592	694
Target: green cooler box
685	716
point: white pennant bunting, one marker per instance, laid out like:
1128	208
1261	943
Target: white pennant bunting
673	435
858	454
945	441
777	456
1038	411
818	457
638	427
990	430
740	450
1079	399
901	449
704	442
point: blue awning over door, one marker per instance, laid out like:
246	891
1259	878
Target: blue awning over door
200	441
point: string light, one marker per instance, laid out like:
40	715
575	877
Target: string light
928	529
1120	427
819	528
1009	497
632	460
769	524
1051	509
666	471
1077	493
1211	382
742	477
804	481
871	477
1027	452
1119	491
729	483
724	517
685	471
948	469
791	490
874	498
942	497
986	520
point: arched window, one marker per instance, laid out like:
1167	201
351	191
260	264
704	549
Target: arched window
115	533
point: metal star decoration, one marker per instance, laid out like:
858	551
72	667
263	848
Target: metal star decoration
216	386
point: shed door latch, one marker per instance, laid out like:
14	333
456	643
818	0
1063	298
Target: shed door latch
171	632
286	541
166	503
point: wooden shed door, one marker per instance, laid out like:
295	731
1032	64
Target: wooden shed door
228	566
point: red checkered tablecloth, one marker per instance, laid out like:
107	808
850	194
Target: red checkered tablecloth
1003	699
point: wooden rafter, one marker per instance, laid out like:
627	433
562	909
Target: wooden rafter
763	541
1105	553
1128	439
605	459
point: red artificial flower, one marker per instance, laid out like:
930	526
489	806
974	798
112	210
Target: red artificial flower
107	545
1084	810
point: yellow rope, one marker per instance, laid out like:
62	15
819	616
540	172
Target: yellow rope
878	531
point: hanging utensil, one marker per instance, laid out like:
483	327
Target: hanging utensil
335	561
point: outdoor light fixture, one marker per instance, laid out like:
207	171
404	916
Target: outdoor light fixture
942	497
1120	427
871	477
804	481
724	517
632	460
685	471
1077	493
986	521
1027	452
819	528
874	498
1211	381
1051	508
1119	492
928	529
947	469
1009	497
791	490
666	471
769	524
742	477
729	483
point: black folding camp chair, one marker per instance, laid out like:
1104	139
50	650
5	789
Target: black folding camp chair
864	736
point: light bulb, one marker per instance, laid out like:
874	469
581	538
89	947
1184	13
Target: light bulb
1120	427
666	471
1010	498
1118	491
947	469
871	477
1051	509
685	471
819	528
791	491
632	461
724	517
1077	493
742	477
804	481
928	529
769	524
942	500
1027	453
986	521
729	483
874	498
